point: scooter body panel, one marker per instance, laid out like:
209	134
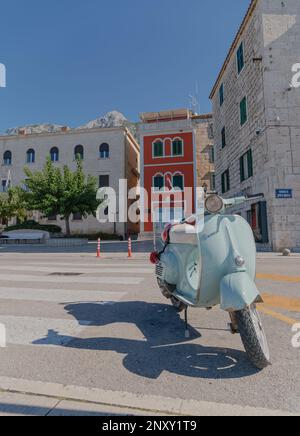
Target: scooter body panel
198	271
238	291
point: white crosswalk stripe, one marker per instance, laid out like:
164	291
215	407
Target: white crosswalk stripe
91	271
58	295
79	279
31	283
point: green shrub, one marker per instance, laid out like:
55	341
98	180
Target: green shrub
33	225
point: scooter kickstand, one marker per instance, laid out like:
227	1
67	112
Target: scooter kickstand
187	332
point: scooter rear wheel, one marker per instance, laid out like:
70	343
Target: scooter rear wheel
253	336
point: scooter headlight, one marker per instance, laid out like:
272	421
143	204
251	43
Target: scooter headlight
214	203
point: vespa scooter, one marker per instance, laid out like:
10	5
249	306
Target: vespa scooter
215	264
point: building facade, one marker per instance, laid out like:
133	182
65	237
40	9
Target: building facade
108	154
256	111
177	154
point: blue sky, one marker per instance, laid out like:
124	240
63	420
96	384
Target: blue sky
69	61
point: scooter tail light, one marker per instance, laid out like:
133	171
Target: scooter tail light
154	257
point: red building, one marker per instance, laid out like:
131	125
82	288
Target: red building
168	163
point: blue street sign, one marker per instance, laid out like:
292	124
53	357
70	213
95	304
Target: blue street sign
284	193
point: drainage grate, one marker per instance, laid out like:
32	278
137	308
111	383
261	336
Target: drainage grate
65	274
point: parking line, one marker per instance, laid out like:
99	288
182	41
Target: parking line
280	302
279	316
279	278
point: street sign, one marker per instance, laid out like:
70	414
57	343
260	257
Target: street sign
284	193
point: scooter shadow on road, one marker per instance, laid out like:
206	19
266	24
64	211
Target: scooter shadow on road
163	347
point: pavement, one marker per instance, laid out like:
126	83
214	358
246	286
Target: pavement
88	336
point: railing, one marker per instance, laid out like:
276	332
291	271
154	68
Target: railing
168	125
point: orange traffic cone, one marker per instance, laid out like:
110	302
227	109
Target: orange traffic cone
129	248
99	248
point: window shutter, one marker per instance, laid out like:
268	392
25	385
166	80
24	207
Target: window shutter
250	163
242	169
223	183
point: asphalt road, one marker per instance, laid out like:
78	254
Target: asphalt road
95	330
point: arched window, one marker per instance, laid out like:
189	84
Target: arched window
158	182
178	181
177	147
104	151
7	158
54	154
158	149
30	156
79	152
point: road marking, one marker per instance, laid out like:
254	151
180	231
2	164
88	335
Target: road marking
139	402
59	295
23	330
280	302
84	270
279	316
279	278
97	266
80	279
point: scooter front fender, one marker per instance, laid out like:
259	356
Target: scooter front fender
238	291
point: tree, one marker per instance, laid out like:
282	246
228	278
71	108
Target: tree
12	205
56	191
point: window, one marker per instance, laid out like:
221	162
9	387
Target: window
30	156
243	111
212	155
104	181
104	151
158	182
225	182
79	152
177	147
223	135
54	154
221	94
213	182
7	158
240	58
158	149
52	218
246	166
4	186
178	182
77	216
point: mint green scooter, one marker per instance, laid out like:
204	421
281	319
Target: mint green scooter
209	260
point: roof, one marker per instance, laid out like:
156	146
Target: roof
168	114
233	47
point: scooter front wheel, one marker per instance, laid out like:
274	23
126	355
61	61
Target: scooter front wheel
253	336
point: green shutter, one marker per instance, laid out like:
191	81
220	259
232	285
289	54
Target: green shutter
242	169
223	183
250	163
243	111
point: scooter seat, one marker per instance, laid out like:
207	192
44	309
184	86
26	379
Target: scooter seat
183	234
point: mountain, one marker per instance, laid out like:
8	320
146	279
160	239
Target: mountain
111	119
36	129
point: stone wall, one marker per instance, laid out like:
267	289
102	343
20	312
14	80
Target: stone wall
271	46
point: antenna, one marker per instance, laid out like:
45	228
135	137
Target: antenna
194	100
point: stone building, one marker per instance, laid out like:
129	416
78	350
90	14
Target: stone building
256	109
177	152
108	154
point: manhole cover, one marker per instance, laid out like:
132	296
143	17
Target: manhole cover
65	274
